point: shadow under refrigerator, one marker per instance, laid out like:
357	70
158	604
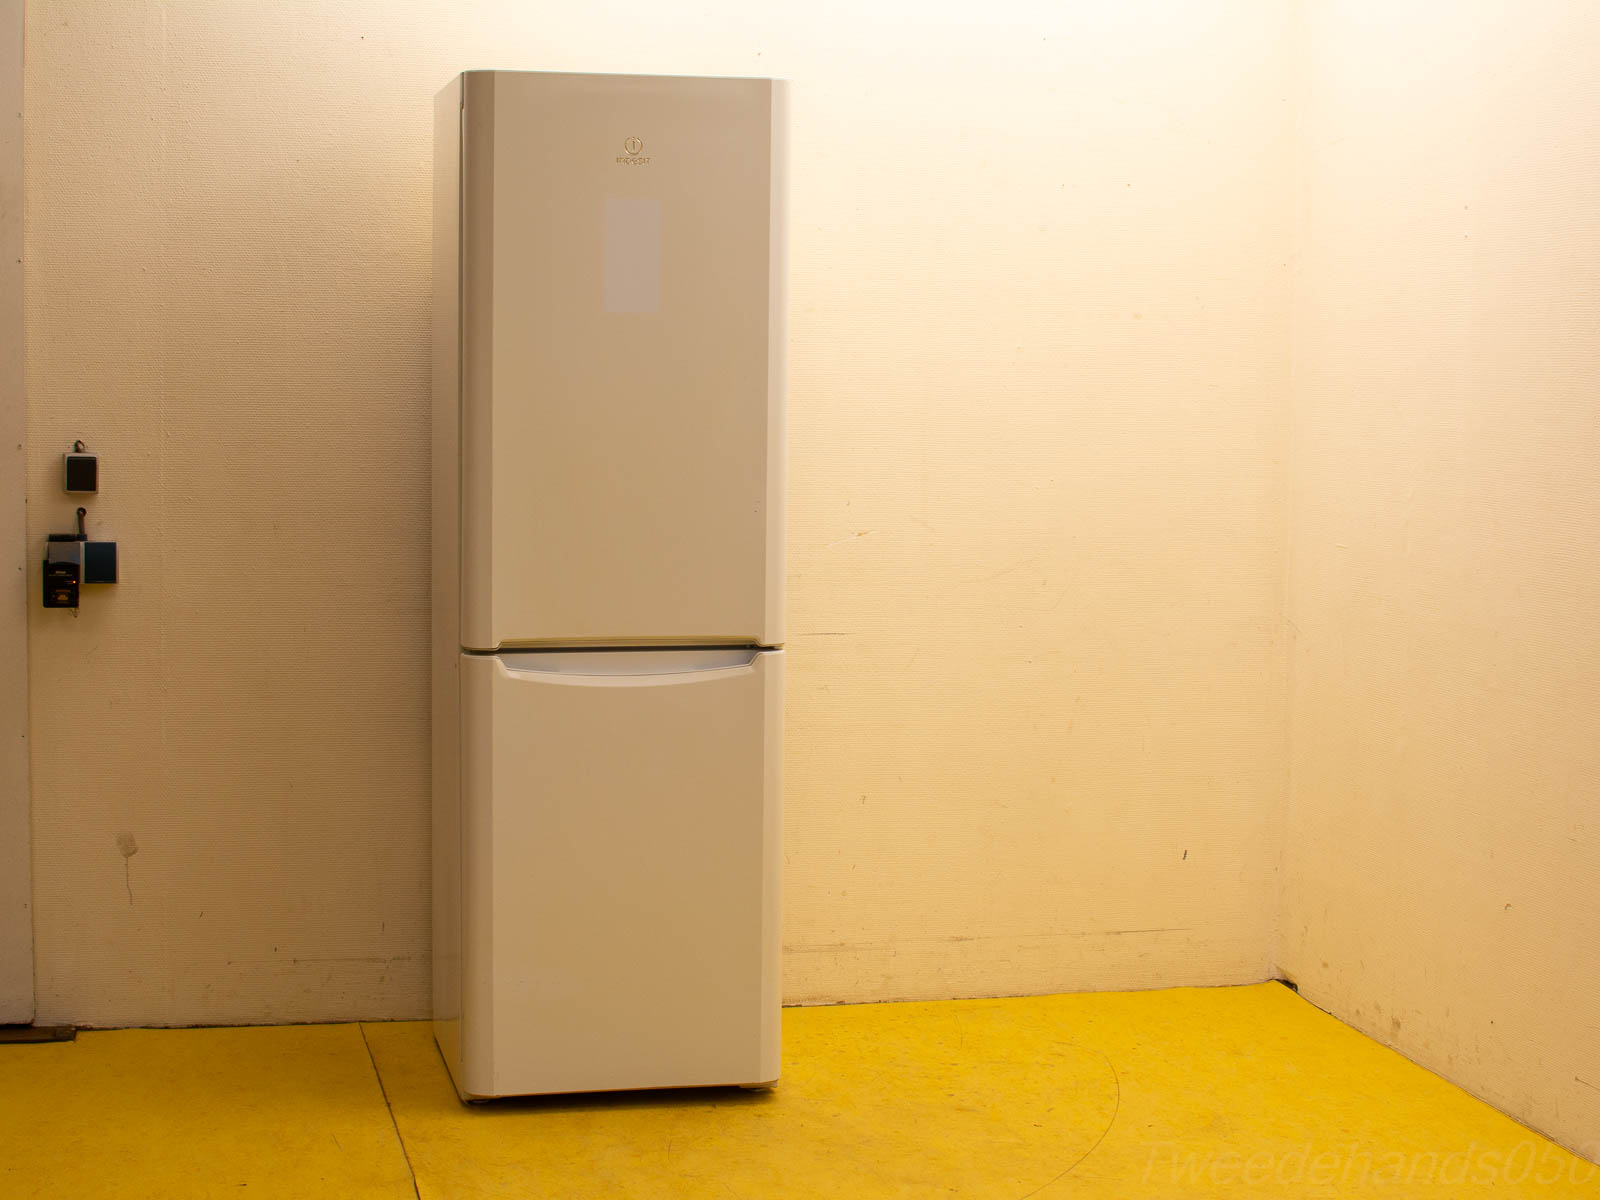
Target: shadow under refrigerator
608	521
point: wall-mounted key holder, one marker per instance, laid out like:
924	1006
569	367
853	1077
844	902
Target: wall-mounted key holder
72	560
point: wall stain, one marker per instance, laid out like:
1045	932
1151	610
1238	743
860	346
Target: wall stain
127	846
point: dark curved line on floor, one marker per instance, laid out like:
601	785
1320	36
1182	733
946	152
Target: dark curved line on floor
1116	1108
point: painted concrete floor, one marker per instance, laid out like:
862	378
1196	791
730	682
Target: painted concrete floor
1192	1092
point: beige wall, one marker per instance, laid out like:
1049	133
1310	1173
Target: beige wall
1039	374
1440	881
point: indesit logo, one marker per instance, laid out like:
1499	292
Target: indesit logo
635	156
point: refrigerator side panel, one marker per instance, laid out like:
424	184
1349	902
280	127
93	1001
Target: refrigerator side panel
446	520
477	423
480	789
633	416
772	868
777	367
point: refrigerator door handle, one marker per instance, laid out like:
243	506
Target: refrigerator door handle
643	668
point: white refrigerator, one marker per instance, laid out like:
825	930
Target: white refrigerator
608	526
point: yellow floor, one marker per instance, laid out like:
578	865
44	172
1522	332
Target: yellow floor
1216	1092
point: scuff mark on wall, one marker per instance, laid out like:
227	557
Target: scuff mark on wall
852	537
128	846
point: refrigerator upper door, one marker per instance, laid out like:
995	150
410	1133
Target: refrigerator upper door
620	829
622	372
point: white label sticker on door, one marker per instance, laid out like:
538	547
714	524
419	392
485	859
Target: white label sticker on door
633	254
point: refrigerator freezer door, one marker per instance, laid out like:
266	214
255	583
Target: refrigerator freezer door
622	369
620	837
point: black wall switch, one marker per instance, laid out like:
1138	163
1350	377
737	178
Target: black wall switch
82	473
